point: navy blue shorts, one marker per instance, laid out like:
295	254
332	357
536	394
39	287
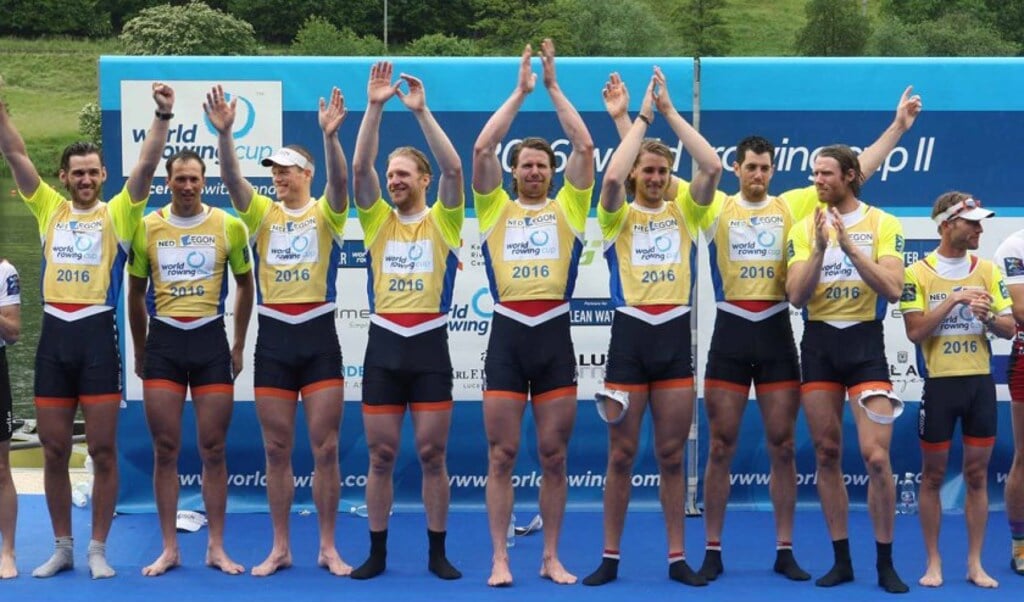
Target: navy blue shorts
199	357
78	361
530	361
294	358
400	370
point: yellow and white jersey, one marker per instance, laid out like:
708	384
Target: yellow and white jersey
532	252
747	241
185	260
412	260
84	252
842	298
650	254
958	347
296	253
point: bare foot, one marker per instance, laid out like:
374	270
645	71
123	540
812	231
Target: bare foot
501	575
8	570
932	576
979	577
275	562
167	561
330	560
552	569
219	559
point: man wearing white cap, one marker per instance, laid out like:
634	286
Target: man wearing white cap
296	248
845	262
950	300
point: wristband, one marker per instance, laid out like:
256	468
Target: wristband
644	118
989	319
164	116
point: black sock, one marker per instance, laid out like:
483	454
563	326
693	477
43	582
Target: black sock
785	564
887	577
681	572
712	567
842	570
377	561
438	561
606	573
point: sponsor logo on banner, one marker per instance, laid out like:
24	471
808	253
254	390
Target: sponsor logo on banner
353	255
590	312
474	316
256	133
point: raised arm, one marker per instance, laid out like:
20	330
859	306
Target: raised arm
709	166
616	102
579	168
486	167
221	114
907	111
13	148
379	90
613	186
330	116
450	184
141	178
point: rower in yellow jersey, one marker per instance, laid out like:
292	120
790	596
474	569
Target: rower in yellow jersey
85	245
296	245
531	247
951	299
182	253
413	259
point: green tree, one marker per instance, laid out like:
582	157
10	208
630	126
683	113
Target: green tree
279	21
506	25
90	123
1011	20
30	18
923	11
410	20
192	29
319	37
833	28
704	31
609	28
961	34
439	44
892	37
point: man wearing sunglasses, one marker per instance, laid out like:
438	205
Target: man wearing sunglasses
951	299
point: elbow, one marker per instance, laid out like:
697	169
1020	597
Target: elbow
13	336
1018	314
361	168
482	149
584	145
712	171
453	172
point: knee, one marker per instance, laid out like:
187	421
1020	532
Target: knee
502	458
55	452
552	459
620	458
103	457
932	478
669	457
326	453
876	460
382	458
165	450
782	449
432	459
976	477
212	452
279	452
828	454
721	449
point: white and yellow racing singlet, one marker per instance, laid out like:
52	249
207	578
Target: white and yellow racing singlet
842	298
747	244
958	347
532	252
84	252
650	254
296	253
412	260
185	259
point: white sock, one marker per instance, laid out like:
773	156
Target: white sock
98	560
63	559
